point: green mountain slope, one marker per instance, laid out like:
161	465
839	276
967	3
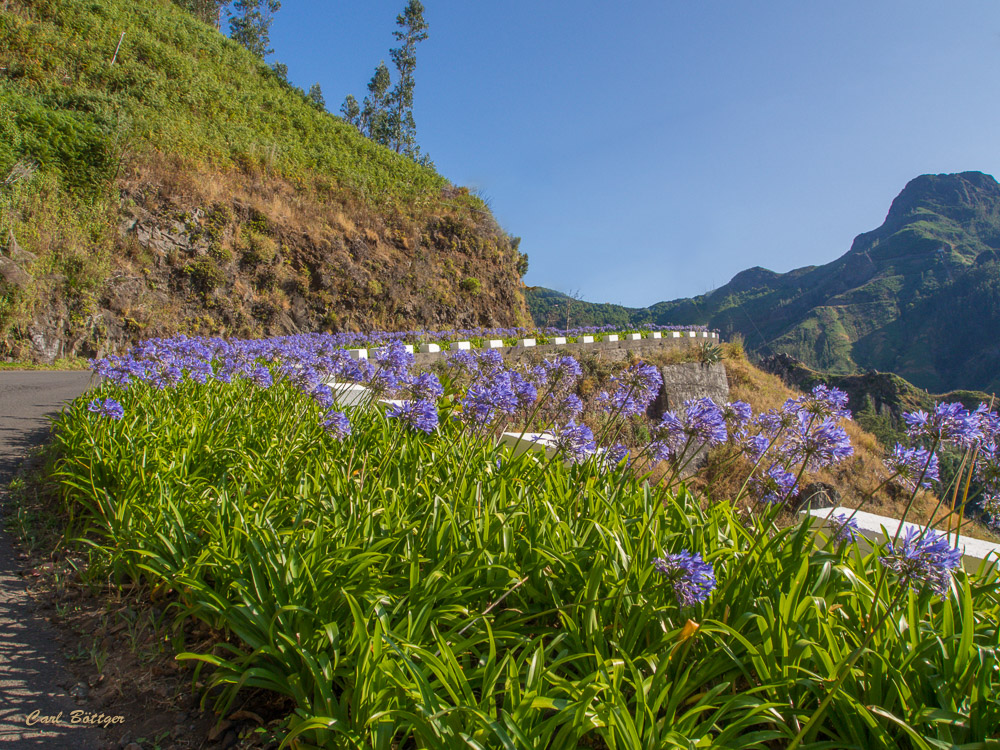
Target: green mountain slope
919	296
182	186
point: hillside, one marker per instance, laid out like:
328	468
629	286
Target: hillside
182	186
919	296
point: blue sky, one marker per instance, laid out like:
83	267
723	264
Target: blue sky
651	149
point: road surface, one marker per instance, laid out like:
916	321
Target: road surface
33	676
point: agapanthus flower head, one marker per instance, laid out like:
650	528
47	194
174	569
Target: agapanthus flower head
775	485
823	402
950	422
736	415
922	557
419	415
575	441
261	377
704	421
774	422
754	446
818	444
394	356
570	406
617	453
424	387
908	465
107	407
634	390
488	398
988	423
464	361
700	422
843	528
991	510
337	424
988	466
524	389
391	367
562	374
691	578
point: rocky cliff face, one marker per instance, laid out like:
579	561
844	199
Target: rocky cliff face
249	266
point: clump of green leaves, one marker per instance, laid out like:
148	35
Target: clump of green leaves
400	587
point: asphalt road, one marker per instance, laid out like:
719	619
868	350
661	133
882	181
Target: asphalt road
33	676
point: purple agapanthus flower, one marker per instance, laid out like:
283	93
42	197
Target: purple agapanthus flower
821	403
910	464
489	398
774	486
337	424
107	407
425	387
923	557
617	453
701	422
991	510
754	446
843	528
575	441
261	377
818	444
691	578
419	415
634	392
571	406
736	415
949	423
988	466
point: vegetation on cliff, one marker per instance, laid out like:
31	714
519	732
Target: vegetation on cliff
181	185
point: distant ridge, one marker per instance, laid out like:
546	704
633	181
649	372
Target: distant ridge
919	296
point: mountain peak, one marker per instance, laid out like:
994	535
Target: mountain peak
954	195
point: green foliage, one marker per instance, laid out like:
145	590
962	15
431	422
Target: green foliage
376	113
175	80
387	115
205	274
412	30
74	144
405	589
250	25
471	285
709	354
315	96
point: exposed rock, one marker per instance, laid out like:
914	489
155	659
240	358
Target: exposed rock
818	495
689	380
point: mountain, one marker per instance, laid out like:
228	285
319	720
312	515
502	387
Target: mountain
156	177
919	296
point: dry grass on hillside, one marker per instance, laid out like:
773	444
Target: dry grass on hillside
854	478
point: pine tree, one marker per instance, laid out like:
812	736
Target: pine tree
413	30
351	112
375	116
251	24
315	96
